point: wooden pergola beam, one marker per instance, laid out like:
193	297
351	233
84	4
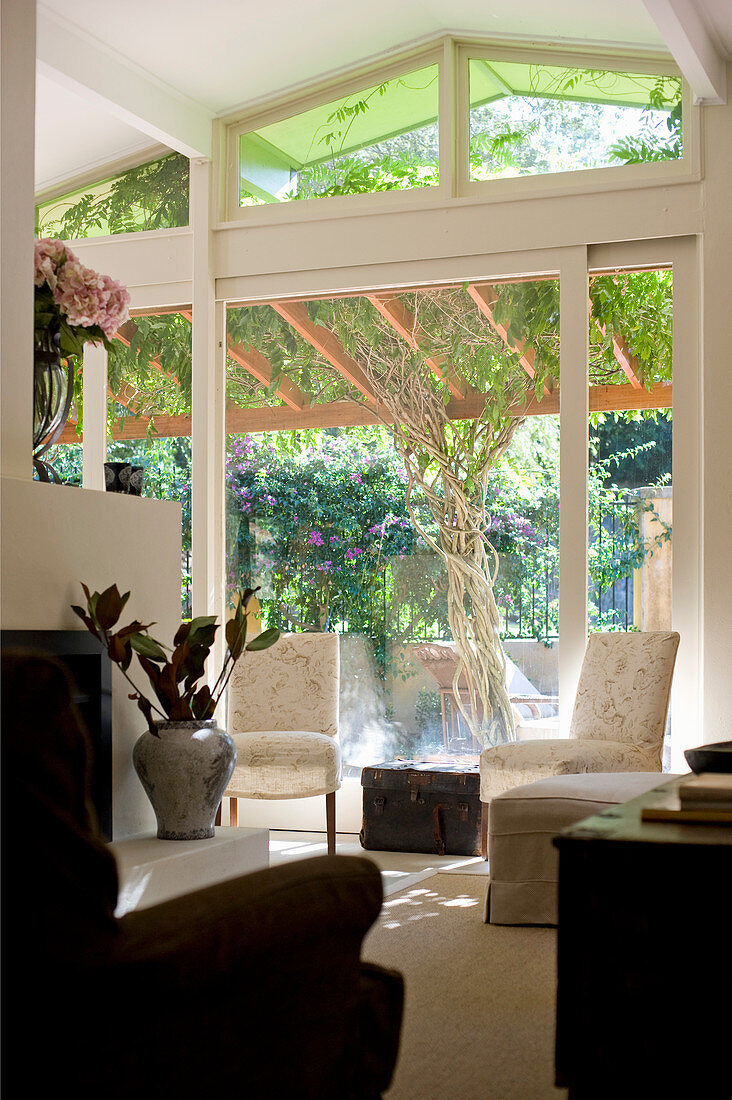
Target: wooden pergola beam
327	344
485	297
406	324
625	359
345	414
259	367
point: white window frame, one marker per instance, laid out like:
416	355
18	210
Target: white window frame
286	108
586	181
452	56
573	265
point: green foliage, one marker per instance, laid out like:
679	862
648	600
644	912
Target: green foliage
658	138
151	196
622	438
281	503
318	529
401	161
428	715
638	307
550	132
635	306
155	370
66	460
617	547
361	174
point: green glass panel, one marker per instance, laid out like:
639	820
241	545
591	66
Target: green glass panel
536	119
383	138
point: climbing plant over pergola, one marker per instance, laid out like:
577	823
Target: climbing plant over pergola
452	370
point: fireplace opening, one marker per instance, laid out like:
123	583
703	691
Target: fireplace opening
91	673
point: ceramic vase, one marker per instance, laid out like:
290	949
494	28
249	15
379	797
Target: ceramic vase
185	770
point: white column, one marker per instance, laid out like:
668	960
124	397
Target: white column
687	700
94	449
17	215
573	459
208	402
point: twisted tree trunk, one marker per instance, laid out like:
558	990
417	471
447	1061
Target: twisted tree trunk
472	567
449	462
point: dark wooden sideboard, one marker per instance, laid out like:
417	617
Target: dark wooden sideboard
644	956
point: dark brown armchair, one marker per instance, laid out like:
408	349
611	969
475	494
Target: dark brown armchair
256	983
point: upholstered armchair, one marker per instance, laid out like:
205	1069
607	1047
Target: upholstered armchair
254	984
283	719
618	721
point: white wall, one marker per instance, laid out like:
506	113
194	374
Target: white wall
52	537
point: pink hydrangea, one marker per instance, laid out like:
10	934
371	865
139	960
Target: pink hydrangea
118	302
78	294
48	256
86	298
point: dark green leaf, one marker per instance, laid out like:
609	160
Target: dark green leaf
264	640
146	646
236	633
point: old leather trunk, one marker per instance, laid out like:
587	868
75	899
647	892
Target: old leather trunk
415	807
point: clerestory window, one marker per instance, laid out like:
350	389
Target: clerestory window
379	138
148	196
461	120
530	119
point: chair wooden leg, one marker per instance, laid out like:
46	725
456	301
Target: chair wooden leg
233	811
330	821
484	830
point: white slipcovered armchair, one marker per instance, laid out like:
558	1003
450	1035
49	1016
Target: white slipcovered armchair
283	719
618	721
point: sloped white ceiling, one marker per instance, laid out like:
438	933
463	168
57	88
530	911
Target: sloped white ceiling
222	54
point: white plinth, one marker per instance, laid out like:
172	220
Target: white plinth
152	870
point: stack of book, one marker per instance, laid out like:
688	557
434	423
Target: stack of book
699	798
708	791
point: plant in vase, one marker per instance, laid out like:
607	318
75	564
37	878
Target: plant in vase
73	306
184	761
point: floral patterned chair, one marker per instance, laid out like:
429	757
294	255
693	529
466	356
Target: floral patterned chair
618	722
283	719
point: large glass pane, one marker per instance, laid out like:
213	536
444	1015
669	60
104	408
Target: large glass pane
630	489
340	530
150	196
149	417
528	120
383	138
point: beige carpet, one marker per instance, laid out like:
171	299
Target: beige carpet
480	998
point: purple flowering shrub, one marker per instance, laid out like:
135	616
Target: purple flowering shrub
319	529
326	533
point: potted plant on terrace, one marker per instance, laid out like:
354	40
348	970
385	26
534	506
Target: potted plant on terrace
183	760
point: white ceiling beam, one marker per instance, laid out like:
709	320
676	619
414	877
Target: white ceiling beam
691	47
91	70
